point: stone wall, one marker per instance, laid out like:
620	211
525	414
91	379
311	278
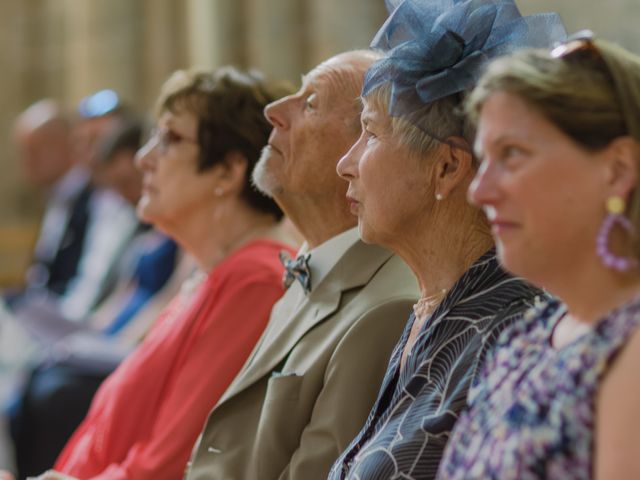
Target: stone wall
615	20
68	48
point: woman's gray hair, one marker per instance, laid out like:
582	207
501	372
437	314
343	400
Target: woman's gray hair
429	125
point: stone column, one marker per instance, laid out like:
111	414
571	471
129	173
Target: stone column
216	33
164	45
277	37
25	79
103	47
615	20
338	25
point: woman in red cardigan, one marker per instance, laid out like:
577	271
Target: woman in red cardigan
147	415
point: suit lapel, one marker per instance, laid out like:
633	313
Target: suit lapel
355	268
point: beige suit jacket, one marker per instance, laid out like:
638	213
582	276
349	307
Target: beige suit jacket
312	379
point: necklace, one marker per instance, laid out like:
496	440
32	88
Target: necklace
426	305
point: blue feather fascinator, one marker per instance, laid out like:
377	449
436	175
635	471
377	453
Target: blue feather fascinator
437	48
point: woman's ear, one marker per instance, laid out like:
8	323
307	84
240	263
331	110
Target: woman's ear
232	172
454	166
623	155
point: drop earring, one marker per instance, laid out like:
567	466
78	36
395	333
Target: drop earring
615	215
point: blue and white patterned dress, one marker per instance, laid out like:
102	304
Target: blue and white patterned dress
417	406
532	415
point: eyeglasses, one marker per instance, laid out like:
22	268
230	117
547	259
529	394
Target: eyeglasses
99	104
581	47
165	138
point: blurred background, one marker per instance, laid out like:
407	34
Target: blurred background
67	49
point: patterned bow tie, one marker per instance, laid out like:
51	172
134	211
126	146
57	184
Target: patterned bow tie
297	269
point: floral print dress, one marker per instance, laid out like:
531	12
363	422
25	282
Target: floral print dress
532	414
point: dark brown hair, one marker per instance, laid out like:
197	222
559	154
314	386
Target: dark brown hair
228	104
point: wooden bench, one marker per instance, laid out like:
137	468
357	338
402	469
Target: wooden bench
16	245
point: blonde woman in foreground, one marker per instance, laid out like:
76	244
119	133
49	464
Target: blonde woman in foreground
559	139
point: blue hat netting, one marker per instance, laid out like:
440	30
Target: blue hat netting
437	48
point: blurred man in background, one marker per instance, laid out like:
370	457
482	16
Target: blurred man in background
42	135
86	223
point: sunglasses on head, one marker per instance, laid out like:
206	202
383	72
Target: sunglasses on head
579	46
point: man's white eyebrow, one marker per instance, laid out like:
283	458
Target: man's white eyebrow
307	82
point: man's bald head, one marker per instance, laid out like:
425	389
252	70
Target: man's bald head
345	74
41	134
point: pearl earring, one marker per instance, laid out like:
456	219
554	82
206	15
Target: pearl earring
439	196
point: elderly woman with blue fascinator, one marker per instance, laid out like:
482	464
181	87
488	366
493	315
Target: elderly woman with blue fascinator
559	138
408	176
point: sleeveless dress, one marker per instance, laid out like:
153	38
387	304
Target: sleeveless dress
532	415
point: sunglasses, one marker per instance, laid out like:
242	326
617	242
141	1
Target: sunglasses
579	46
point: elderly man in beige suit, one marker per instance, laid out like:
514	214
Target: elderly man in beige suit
313	377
